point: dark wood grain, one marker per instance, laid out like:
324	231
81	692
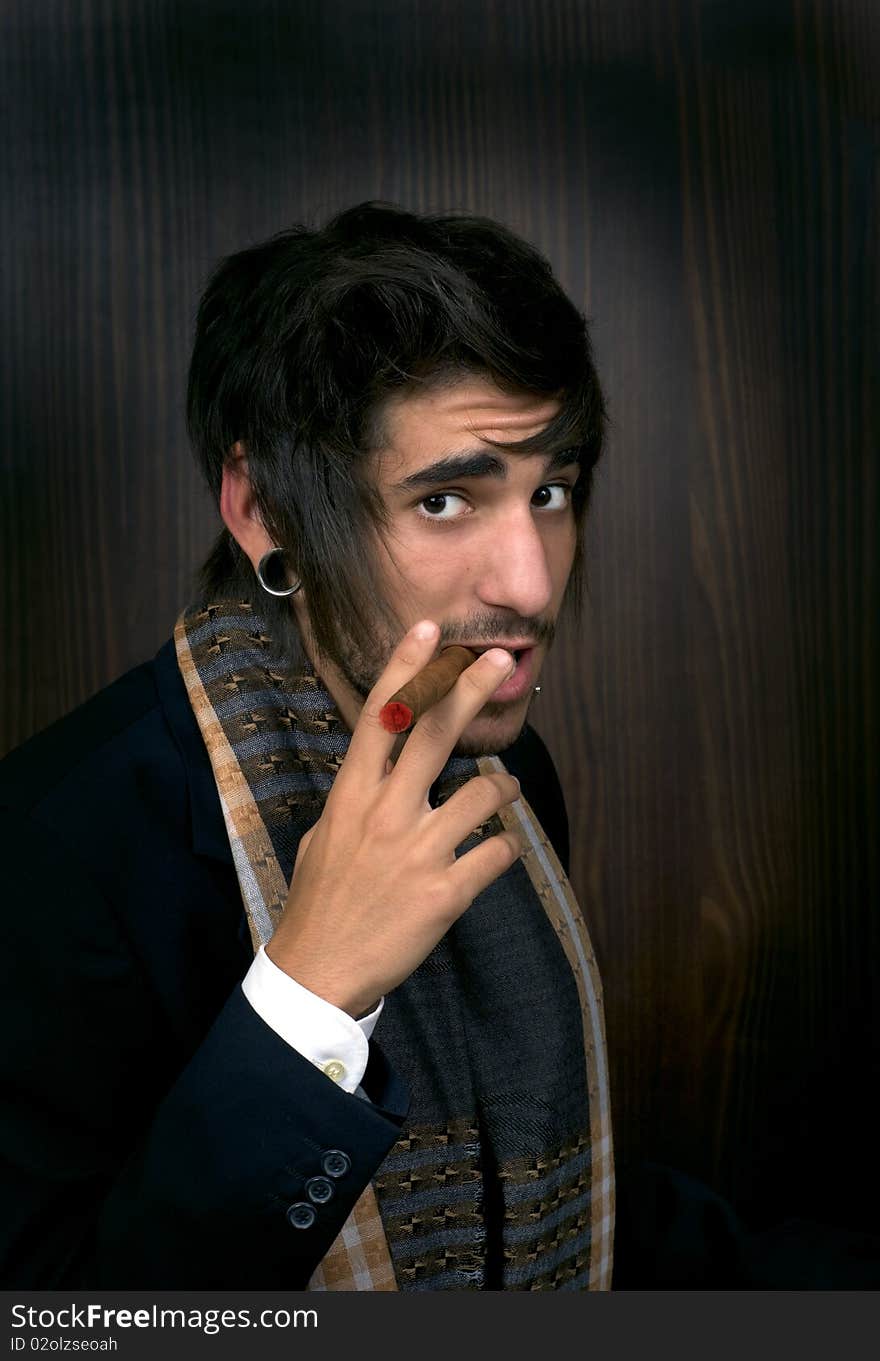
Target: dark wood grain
703	178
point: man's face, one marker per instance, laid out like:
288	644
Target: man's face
479	540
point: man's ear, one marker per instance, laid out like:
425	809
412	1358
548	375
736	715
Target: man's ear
239	509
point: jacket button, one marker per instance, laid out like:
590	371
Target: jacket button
335	1163
320	1190
300	1215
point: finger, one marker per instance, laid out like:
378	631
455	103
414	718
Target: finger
371	746
479	868
468	808
303	846
431	741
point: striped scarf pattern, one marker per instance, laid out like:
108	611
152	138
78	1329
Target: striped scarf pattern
503	1175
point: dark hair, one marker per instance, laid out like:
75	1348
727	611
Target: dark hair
300	341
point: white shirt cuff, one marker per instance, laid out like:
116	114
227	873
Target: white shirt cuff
328	1037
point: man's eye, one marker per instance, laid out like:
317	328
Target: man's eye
545	498
441	506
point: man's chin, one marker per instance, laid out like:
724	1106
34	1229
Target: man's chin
495	728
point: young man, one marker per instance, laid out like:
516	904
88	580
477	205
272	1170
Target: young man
388	1071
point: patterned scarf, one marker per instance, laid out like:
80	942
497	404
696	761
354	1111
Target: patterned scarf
503	1176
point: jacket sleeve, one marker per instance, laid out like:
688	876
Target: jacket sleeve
130	1162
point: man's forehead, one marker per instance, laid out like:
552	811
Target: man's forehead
469	403
428	423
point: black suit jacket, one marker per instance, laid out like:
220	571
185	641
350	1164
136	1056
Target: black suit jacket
155	1130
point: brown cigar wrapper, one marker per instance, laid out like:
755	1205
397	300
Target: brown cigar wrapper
425	689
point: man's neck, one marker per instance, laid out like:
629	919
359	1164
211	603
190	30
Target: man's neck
346	699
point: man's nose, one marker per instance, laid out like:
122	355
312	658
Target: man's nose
516	570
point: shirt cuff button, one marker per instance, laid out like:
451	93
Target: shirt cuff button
335	1070
300	1215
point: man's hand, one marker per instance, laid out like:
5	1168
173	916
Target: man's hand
376	882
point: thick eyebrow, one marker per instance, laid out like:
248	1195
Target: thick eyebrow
476	463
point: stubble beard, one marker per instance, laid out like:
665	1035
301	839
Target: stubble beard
361	670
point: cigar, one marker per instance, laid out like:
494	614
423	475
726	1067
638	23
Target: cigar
425	689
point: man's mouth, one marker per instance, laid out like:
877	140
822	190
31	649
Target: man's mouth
515	647
520	682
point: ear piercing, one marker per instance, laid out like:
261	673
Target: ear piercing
277	564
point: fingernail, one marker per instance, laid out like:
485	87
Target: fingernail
503	660
425	629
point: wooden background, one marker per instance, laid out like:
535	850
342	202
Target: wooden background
703	177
